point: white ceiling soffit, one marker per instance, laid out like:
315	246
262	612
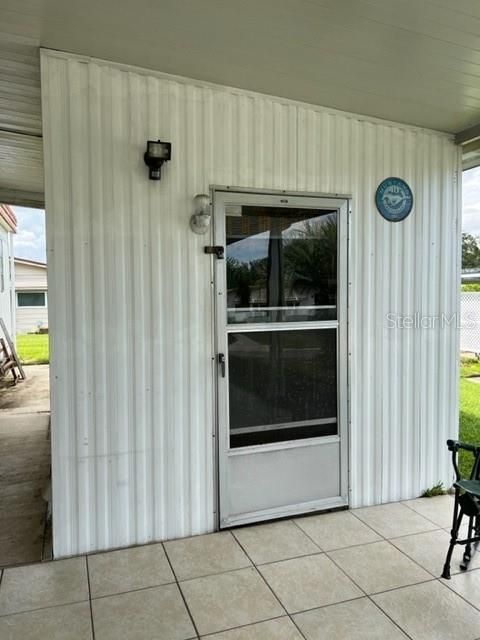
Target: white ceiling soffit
403	60
19	85
21	169
21	158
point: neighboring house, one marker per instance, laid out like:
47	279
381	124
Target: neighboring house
31	294
8	227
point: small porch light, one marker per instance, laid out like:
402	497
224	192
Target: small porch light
200	220
156	154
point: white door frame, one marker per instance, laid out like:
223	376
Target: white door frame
281	199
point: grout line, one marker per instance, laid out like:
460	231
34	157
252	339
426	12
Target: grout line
122	593
49	606
269	587
342	570
304	555
182	595
404	535
244	626
403	586
359	587
90	598
263	564
418	533
389	541
387	615
217	573
370	598
307	534
447	583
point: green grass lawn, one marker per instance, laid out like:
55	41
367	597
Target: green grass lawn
33	348
469	410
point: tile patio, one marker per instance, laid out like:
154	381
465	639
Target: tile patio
366	574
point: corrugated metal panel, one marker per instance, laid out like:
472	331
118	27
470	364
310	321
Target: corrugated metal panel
403	382
21	156
20	109
21	169
130	294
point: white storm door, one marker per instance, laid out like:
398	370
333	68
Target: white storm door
281	337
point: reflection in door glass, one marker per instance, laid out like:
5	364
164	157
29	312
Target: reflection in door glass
281	264
282	385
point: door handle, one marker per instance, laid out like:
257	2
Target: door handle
221	362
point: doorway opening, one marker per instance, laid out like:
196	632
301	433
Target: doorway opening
25	450
281	336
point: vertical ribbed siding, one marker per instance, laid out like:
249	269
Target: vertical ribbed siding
403	383
131	301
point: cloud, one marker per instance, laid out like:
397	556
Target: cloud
471	201
29	242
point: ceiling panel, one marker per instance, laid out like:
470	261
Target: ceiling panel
403	60
21	169
19	86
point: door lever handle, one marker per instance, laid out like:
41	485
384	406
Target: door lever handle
221	362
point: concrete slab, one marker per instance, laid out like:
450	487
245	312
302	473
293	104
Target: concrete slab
30	395
24	476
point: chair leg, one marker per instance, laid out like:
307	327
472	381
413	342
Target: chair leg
457	521
467	555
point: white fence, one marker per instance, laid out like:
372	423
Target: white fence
470	326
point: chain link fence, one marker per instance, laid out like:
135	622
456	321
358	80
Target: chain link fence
470	322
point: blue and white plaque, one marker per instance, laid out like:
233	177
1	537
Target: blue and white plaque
394	199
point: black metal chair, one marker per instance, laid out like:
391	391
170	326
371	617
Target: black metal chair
467	503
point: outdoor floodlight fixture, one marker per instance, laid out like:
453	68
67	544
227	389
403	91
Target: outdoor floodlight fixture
156	154
200	220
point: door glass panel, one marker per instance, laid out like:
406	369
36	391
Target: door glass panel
281	264
282	385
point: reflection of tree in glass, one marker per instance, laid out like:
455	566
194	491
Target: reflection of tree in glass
242	276
310	260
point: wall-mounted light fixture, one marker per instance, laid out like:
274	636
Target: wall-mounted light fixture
156	154
200	220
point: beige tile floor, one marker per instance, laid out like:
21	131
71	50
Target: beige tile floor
366	574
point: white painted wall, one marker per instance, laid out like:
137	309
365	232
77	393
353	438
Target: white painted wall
131	301
31	319
30	277
7	304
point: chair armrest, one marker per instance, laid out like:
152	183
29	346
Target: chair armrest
456	445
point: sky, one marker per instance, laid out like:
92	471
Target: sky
471	202
30	239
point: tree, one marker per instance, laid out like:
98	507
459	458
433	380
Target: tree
470	251
310	260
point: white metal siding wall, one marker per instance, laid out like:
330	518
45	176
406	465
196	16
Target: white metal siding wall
30	319
7	309
29	277
130	297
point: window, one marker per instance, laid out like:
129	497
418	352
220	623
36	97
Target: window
31	299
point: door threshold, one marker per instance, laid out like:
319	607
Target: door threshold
278	513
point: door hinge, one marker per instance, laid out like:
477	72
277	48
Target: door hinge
216	250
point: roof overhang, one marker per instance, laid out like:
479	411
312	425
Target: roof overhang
416	63
30	263
469	139
8	219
